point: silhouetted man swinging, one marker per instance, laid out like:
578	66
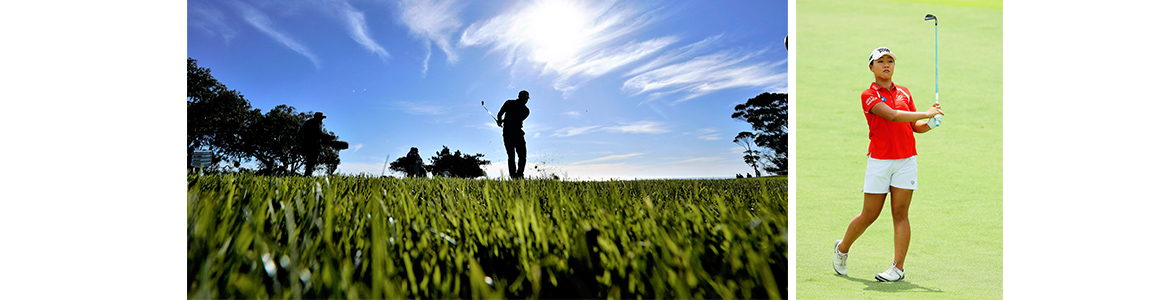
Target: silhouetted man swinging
515	113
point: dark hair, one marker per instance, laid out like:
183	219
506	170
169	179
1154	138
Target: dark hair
871	62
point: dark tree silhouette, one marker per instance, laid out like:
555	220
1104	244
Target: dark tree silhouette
272	141
768	115
223	121
457	164
751	157
402	163
216	117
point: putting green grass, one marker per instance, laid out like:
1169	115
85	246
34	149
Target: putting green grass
956	251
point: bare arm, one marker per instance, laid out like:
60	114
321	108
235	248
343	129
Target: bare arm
901	116
921	127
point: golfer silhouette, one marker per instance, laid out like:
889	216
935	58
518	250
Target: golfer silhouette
511	118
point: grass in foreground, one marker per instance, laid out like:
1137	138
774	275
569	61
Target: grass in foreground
359	237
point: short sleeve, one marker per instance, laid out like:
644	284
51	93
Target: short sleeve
869	98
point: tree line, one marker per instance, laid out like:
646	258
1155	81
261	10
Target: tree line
222	121
768	115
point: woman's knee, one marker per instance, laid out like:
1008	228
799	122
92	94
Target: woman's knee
899	215
868	217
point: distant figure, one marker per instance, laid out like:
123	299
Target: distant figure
515	113
415	166
311	135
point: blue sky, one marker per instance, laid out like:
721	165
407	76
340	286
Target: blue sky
619	89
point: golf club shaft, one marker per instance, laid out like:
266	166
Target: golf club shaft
937	119
481	103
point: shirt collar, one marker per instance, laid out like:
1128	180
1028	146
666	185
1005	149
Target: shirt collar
876	87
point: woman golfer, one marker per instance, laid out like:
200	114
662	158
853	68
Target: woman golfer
892	168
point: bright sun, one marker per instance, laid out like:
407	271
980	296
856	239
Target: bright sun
556	30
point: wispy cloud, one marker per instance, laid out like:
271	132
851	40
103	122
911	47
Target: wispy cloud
700	160
607	158
358	147
608	60
644	127
355	22
264	24
433	21
691	50
708	134
571	131
210	19
705	74
578	41
419	108
568	39
640	127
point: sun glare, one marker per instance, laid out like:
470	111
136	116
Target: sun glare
556	30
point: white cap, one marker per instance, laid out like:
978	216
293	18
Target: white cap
879	52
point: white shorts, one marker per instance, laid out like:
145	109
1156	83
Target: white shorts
881	174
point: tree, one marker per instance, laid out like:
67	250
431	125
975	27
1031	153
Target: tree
272	141
768	115
751	157
223	121
402	163
216	116
458	164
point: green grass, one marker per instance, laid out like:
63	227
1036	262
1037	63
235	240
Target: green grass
957	213
361	238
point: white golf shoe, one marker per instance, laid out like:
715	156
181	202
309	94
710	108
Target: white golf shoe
891	274
839	259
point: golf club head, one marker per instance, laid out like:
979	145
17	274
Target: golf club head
931	17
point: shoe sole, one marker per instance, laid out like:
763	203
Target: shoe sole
879	278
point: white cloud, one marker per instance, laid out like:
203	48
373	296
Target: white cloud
607	158
571	131
607	60
705	74
420	108
357	147
355	21
699	160
640	127
649	127
686	51
708	134
210	19
433	21
264	24
568	39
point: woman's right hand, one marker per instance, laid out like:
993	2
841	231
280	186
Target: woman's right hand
935	109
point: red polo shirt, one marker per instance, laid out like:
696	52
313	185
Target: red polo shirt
888	139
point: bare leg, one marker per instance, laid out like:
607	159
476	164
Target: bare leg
869	213
899	208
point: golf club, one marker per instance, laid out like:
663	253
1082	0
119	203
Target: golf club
935	121
489	112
